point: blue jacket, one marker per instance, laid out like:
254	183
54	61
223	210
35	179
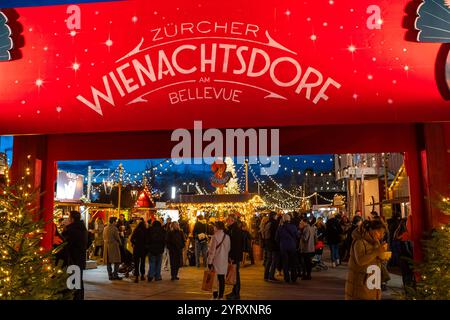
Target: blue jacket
287	236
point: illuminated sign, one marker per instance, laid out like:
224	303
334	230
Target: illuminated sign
209	53
69	186
161	65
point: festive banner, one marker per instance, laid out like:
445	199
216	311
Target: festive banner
147	65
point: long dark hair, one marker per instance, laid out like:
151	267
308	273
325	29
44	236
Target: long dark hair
370	225
141	225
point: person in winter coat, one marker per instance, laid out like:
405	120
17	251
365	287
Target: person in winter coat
272	247
334	232
218	252
345	225
138	241
57	240
287	237
76	236
247	239
356	222
111	249
321	235
165	257
99	227
263	239
184	226
236	252
307	246
402	236
393	224
200	233
365	251
175	243
91	232
156	238
124	228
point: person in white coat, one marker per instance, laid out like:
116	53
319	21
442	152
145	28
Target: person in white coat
219	248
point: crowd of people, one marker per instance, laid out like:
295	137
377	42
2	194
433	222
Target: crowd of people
292	243
215	244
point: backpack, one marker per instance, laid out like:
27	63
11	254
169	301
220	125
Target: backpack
266	234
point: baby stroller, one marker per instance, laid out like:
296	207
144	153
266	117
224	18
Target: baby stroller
317	262
127	265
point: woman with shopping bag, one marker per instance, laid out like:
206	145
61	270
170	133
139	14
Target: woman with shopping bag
219	248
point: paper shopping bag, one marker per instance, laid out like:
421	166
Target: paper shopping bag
231	274
208	280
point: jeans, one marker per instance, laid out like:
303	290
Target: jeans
237	287
155	266
139	264
165	259
290	265
271	265
201	248
334	249
112	273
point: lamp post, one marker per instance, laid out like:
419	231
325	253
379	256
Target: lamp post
120	187
246	175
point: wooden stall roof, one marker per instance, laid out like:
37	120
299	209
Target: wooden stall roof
81	203
215	198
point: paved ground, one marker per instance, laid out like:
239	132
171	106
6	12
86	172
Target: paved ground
326	285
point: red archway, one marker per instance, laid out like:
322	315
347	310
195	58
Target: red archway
425	146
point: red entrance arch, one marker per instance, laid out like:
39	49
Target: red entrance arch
426	148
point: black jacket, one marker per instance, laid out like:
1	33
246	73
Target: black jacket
127	231
321	232
247	240
237	242
175	241
272	244
138	239
156	240
76	237
200	227
334	231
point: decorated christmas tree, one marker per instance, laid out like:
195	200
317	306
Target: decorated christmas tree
232	186
433	272
27	271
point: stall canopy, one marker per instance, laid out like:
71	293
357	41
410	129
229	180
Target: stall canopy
159	65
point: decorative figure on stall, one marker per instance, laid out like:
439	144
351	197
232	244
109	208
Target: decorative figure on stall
6	43
338	200
432	24
221	176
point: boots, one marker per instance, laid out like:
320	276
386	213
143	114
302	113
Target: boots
136	280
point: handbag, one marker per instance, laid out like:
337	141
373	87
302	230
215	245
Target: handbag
208	280
231	274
